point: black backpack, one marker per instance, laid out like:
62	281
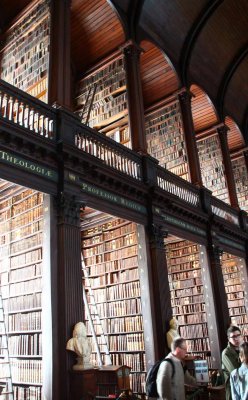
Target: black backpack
151	379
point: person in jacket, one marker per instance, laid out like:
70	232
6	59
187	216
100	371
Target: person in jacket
239	376
230	356
170	381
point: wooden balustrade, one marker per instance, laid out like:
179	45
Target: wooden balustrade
110	152
224	210
30	113
179	187
24	110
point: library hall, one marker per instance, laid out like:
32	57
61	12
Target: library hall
123	193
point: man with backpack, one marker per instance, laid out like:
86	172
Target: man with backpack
172	376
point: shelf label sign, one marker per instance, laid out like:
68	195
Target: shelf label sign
27	165
113	198
179	222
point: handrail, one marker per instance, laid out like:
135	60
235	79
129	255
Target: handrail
173	184
109	151
224	211
26	111
40	119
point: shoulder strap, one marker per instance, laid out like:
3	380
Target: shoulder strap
172	364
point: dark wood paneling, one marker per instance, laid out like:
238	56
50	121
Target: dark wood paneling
203	112
95	32
158	77
234	136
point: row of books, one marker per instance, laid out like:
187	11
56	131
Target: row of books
195	345
241	178
9	223
128	342
24	321
135	361
28	392
26	258
22	303
194	331
110	245
20	288
114	265
26	371
212	168
19	66
114	277
25	345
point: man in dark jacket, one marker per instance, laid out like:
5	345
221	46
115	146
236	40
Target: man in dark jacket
230	356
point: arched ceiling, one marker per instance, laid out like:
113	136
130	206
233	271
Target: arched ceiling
206	40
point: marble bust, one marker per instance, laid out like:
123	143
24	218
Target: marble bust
79	344
172	332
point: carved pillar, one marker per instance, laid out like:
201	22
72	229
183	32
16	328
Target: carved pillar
135	97
246	159
67	289
222	132
218	290
161	289
189	133
59	90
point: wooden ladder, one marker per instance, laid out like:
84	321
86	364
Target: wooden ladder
6	386
97	331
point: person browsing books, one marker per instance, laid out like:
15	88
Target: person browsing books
170	381
239	376
230	356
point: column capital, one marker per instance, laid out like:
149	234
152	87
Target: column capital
222	130
68	209
185	95
131	48
157	235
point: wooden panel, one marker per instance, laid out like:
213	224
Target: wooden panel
235	138
95	32
158	77
203	112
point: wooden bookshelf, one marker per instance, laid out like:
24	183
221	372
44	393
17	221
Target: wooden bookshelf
110	258
235	280
101	100
165	139
21	238
241	181
212	168
187	296
25	55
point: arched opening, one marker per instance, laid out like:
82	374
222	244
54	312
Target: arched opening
159	79
235	137
96	32
203	111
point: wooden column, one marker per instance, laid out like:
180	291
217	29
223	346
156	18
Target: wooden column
222	318
131	53
59	87
161	289
246	159
67	290
222	132
189	133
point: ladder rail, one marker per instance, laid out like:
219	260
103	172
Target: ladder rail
96	313
6	393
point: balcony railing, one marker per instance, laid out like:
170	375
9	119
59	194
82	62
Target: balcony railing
24	110
34	116
178	186
109	152
225	211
